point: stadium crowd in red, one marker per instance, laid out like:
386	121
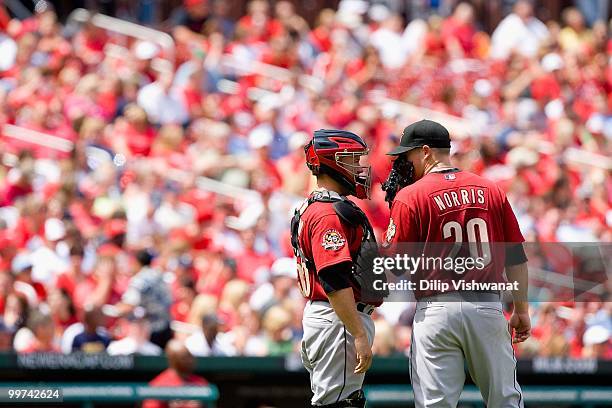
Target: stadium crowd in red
126	238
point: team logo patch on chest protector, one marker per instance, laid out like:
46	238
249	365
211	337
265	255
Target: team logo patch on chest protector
332	240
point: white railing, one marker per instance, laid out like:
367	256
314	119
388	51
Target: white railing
37	138
457	126
586	158
237	65
560	280
129	29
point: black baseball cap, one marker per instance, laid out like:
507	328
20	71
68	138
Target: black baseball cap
423	132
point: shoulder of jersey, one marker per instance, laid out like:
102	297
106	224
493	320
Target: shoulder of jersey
319	209
408	193
482	181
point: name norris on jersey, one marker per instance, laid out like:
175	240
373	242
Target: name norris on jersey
462	196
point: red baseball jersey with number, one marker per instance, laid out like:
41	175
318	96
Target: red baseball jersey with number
326	241
454	208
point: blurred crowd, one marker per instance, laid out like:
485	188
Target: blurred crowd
145	193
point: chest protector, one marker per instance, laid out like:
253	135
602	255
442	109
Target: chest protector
362	269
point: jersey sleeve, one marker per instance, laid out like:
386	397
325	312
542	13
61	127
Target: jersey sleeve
330	245
512	232
402	226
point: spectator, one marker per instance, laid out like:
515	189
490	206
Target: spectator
192	16
134	135
258	24
101	287
575	36
71	277
209	342
137	339
184	294
459	32
518	32
202	305
6	287
283	281
163	102
18	184
386	40
50	259
384	341
62	309
179	373
276	324
148	290
8	48
22	270
93	338
253	257
14	317
597	343
43	334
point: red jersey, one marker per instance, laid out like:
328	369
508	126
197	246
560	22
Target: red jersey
457	207
170	378
325	240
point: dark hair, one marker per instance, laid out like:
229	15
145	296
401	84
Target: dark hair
144	257
71	307
77	250
188	283
25	309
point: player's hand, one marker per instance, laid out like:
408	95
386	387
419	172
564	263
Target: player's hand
364	354
521	325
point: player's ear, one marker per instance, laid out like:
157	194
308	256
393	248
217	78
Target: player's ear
427	151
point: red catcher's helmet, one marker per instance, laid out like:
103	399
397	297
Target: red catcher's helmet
337	153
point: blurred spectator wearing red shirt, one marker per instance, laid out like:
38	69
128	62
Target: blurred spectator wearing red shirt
184	293
89	43
458	32
251	258
547	87
258	24
100	287
68	280
17	184
133	135
6	287
180	373
320	36
62	310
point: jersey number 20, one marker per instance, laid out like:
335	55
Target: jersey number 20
477	238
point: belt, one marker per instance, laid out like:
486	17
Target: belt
365	308
361	307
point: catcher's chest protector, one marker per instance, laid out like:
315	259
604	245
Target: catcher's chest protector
351	214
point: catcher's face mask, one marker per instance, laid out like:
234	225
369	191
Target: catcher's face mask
340	154
355	165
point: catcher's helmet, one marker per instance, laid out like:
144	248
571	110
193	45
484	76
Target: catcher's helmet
337	153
